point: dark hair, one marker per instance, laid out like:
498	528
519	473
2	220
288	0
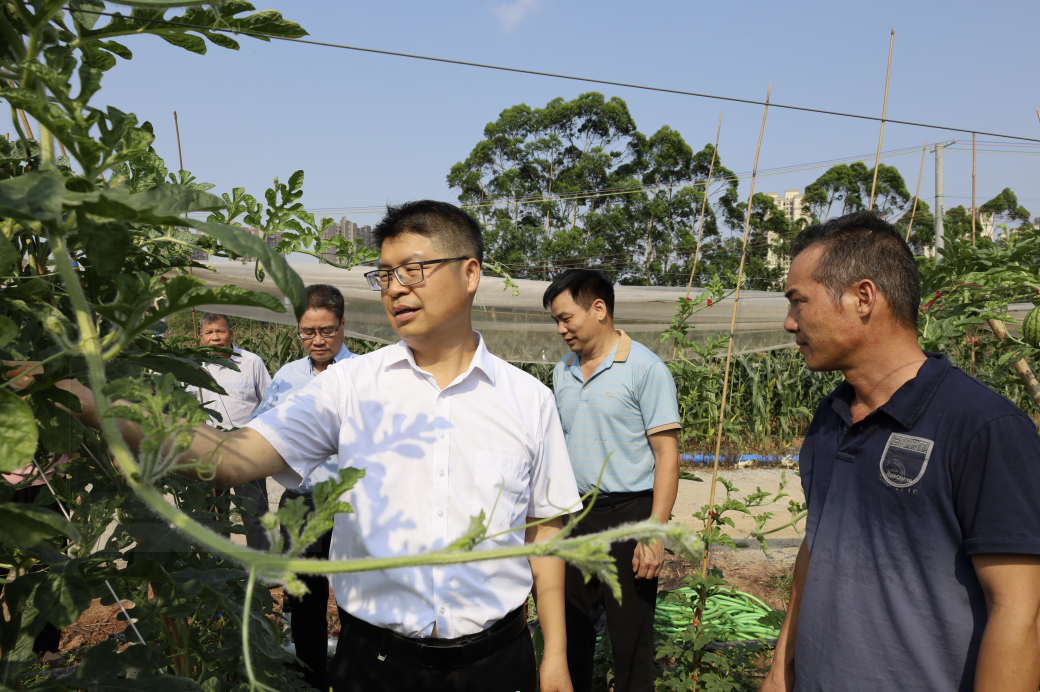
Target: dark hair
585	286
454	230
325	297
211	317
864	246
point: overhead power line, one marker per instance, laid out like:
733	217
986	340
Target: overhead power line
551	74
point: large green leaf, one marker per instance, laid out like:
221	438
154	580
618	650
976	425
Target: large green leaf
248	245
25	526
8	257
163	204
17	432
33	196
103	665
8	330
63	595
106	244
184	369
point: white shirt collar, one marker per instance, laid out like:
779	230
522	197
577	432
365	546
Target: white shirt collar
482	359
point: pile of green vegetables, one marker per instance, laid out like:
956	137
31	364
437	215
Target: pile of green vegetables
731	617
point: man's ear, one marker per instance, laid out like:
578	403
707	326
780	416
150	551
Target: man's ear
864	295
471	267
600	308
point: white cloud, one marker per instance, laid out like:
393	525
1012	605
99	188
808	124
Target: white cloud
512	14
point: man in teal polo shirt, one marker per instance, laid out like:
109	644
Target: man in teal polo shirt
616	398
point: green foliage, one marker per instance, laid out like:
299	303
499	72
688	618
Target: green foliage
576	184
849	186
771	395
18	434
972	285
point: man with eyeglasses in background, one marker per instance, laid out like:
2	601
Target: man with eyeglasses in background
244	389
321	335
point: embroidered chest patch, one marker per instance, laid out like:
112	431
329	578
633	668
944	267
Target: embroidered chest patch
905	459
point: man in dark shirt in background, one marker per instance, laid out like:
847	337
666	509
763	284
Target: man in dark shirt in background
920	568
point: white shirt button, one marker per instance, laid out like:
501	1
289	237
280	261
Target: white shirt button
442	435
441	472
442	610
440	512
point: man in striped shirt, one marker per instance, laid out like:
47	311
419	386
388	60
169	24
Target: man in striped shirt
616	399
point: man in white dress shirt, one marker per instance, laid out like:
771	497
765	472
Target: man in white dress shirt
245	388
321	335
444	430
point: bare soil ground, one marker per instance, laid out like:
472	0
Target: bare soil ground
748	569
94	625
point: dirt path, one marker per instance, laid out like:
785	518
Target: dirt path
695	494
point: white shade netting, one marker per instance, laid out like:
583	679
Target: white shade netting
518	328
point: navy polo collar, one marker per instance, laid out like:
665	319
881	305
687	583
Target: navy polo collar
909	402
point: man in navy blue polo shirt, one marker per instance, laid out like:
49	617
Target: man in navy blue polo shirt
920	568
616	398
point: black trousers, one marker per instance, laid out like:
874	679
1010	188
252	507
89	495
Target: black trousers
256	535
357	668
309	621
631	624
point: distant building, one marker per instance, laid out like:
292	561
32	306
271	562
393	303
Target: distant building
984	223
349	230
790	204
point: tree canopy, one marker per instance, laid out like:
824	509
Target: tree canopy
577	184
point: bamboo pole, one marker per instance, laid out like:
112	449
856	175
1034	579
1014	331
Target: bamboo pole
732	328
974	211
917	195
700	227
704	208
884	112
180	159
25	124
1025	373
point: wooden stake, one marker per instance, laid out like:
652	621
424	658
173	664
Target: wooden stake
974	211
25	124
732	328
700	227
180	160
704	207
917	194
1025	373
884	111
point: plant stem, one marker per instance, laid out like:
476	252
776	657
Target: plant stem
1025	373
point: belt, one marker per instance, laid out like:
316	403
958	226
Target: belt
444	653
614	499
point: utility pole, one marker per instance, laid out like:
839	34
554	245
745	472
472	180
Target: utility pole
940	242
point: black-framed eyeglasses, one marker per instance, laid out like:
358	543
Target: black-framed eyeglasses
308	334
407	274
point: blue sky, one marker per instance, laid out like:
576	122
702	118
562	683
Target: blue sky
369	129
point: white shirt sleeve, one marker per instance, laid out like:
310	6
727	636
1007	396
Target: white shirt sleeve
553	488
304	429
